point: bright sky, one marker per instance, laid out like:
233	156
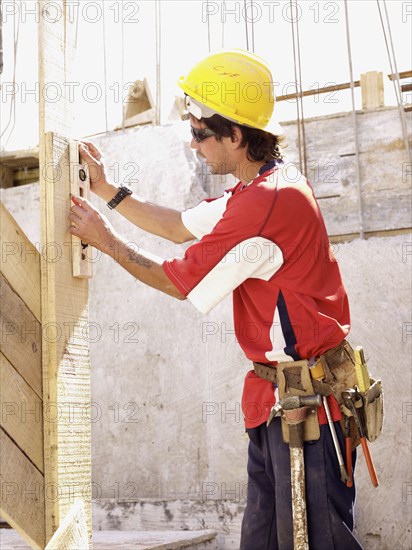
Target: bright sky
184	40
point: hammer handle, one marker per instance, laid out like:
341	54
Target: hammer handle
349	469
368	458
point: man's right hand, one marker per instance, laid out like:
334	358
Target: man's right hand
94	159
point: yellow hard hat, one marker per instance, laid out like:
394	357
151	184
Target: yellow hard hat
237	85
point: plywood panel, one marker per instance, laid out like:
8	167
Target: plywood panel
20	262
20	334
22	493
21	413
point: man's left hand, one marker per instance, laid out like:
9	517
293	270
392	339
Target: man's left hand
91	226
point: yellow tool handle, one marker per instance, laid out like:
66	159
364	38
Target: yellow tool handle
362	374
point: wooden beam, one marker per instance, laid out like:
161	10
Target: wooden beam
316	91
18	167
22	414
138	100
372	90
402	74
20	262
72	532
21	337
22	176
66	364
21	493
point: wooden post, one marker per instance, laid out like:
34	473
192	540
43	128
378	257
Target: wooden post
372	90
66	364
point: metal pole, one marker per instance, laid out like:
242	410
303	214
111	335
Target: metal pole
355	125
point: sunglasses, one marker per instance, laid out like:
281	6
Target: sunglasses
200	134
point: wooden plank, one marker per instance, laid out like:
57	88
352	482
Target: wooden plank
6	177
72	532
139	99
402	74
21	413
21	493
23	176
20	158
21	337
372	90
66	364
20	262
136	540
386	189
316	91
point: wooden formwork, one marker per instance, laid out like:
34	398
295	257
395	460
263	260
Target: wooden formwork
45	463
45	467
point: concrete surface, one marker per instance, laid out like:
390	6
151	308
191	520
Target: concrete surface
169	450
129	540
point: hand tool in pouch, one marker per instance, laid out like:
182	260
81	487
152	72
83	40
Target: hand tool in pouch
318	373
350	398
294	410
343	473
348	449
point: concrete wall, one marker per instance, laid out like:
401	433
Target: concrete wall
169	449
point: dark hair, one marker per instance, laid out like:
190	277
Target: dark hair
261	145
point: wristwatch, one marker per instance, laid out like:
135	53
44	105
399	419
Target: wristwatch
122	192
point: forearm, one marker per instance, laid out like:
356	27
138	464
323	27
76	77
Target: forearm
155	219
144	266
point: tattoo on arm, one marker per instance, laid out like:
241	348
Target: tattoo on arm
136	258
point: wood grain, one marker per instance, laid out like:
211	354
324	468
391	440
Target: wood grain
20	262
22	413
72	532
66	364
22	493
21	336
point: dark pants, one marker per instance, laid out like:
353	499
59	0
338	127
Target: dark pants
267	523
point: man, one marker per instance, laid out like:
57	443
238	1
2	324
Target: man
265	241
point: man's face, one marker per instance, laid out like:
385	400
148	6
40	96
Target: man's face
217	154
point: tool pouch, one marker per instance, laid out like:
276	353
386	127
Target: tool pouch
372	410
339	369
294	379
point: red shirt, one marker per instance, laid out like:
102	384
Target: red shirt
267	243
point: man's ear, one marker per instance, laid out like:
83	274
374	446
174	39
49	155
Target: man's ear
236	136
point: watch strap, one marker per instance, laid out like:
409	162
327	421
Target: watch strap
122	192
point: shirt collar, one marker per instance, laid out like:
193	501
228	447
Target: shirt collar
269	165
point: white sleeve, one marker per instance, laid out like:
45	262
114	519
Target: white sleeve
256	258
201	219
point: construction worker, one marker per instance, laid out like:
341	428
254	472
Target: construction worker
264	240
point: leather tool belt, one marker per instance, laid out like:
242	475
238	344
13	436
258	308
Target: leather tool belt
336	369
338	372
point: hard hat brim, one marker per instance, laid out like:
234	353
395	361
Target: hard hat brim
200	110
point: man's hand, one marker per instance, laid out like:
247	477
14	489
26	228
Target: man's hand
94	228
94	159
91	226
